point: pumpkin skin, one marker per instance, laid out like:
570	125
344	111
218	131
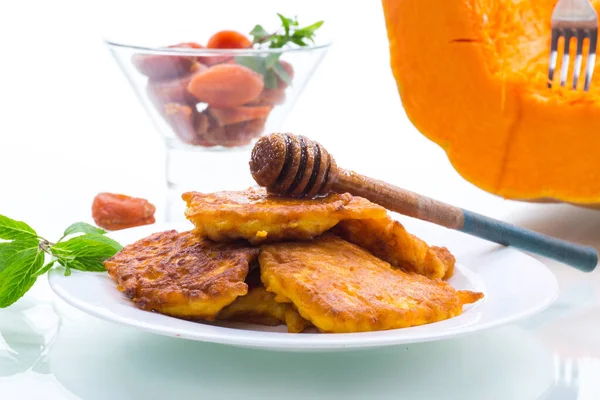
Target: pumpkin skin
472	77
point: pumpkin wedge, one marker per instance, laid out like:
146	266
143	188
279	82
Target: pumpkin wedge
472	77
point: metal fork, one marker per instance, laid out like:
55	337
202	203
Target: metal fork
573	19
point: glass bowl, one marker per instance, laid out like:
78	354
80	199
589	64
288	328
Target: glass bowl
211	105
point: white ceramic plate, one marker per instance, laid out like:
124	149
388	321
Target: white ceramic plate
515	286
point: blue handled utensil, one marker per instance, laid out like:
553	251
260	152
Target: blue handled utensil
296	166
584	258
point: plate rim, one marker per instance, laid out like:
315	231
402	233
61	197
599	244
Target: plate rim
307	341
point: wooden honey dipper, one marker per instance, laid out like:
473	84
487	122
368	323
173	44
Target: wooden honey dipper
296	166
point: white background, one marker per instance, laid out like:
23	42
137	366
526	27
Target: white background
70	127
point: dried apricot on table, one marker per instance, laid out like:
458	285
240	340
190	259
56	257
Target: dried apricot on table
228	40
226	85
118	211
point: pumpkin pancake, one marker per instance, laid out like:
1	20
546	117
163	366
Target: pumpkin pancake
259	217
181	274
388	240
259	307
340	287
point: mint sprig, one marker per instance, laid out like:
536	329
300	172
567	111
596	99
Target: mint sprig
23	254
289	33
15	230
266	67
19	275
82	227
86	252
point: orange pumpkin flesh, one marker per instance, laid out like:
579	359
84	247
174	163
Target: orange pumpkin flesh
472	76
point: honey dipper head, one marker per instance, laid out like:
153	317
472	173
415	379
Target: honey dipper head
292	165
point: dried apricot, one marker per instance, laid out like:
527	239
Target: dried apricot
269	97
234	115
214	60
118	211
226	85
156	66
239	134
228	40
174	90
161	66
181	118
202	124
207	60
187	123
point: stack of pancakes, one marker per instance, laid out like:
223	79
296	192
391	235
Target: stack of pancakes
338	263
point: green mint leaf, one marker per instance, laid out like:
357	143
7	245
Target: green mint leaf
308	31
86	253
60	252
271	60
256	64
45	268
18	276
82	227
290	34
22	255
76	244
264	66
286	23
278	42
11	229
259	33
298	41
270	79
281	73
9	249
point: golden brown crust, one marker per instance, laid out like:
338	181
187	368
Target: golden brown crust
260	307
181	274
447	259
258	217
388	240
341	287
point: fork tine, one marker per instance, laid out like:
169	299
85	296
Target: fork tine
577	67
553	56
591	60
564	68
